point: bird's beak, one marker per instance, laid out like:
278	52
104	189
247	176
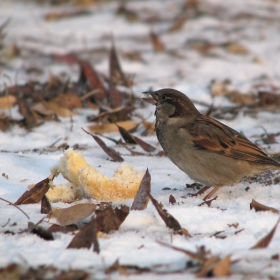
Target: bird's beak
150	97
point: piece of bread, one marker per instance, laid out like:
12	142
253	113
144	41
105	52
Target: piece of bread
86	180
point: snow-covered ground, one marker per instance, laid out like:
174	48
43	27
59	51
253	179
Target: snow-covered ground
254	24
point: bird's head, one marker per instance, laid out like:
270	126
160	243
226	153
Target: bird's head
170	103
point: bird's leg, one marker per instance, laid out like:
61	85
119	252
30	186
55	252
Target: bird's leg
203	190
209	195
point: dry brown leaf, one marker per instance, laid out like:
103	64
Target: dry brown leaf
242	99
43	233
115	97
117	76
219	88
41	109
73	214
111	127
131	139
57	15
7	101
114	115
35	194
45	205
69	101
260	207
264	242
236	48
208	265
172	199
142	197
64	229
85	238
157	43
93	80
29	118
269	99
127	137
168	219
58	110
178	23
110	219
109	151
129	14
144	145
222	267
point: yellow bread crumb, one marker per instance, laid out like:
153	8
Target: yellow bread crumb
84	178
64	192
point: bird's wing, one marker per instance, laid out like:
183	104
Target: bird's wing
212	136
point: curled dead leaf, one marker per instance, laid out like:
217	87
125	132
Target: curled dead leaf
260	207
142	197
109	151
85	238
7	101
58	110
157	43
35	194
264	242
73	214
111	127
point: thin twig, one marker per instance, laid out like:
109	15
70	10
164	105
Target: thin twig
15	206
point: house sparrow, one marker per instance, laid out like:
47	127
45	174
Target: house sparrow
205	149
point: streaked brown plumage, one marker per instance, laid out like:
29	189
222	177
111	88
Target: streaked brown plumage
205	149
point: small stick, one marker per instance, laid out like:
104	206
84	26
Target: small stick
15	206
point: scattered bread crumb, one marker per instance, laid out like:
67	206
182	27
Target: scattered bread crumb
64	192
84	179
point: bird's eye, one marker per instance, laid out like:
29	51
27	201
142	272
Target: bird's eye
164	98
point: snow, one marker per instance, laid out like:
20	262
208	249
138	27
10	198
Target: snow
25	162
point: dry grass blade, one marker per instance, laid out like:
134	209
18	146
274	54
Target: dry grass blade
15	206
109	151
35	194
142	197
200	255
260	207
264	242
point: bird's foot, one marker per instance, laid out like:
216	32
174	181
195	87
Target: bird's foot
202	191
